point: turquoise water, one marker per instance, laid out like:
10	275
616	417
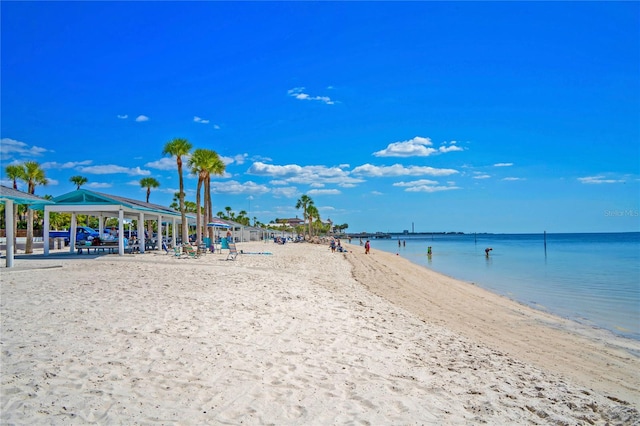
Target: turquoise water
593	279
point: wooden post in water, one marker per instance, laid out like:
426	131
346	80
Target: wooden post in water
545	243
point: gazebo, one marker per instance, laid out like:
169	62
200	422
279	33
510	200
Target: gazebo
9	197
83	201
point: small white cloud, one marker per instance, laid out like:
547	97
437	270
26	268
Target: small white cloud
10	148
324	192
416	147
598	180
167	163
235	187
142	118
100	185
425	185
236	159
287	192
67	165
400	170
444	148
113	169
482	176
376	193
200	120
215	126
503	165
298	93
123	117
512	179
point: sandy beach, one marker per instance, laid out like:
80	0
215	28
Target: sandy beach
296	337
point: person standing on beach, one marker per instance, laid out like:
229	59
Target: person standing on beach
429	252
367	247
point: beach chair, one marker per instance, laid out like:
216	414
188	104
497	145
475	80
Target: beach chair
233	252
190	251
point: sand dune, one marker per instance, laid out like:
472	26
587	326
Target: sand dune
302	336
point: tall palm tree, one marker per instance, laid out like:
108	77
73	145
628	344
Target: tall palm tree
78	180
304	202
15	172
313	213
216	167
149	183
33	176
179	147
198	164
204	163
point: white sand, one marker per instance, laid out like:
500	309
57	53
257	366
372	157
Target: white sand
303	336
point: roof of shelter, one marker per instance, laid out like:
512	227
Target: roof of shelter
90	201
20	197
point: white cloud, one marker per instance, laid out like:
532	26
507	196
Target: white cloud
113	169
324	192
237	159
417	183
416	147
485	176
503	165
293	173
200	120
444	148
400	170
298	93
235	187
513	178
167	163
425	185
67	165
10	148
288	192
376	193
427	188
100	185
123	117
598	180
217	127
142	118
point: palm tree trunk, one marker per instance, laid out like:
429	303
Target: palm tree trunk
29	244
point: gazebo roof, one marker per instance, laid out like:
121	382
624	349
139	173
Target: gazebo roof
91	202
20	197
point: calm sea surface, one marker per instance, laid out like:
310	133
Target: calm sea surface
593	279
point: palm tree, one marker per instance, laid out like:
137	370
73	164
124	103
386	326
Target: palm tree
204	163
216	167
33	175
78	180
15	172
312	211
180	147
304	202
198	163
149	183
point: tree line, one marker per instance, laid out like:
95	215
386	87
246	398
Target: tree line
203	163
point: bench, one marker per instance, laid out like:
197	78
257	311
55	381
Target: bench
111	246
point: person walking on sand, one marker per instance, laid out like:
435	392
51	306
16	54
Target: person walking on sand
367	247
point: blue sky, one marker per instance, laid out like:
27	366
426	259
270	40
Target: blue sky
432	116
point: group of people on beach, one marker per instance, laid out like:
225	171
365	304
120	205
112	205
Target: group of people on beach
335	245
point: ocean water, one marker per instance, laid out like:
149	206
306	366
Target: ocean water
593	279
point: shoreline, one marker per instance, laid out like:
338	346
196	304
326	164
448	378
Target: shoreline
297	337
558	344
